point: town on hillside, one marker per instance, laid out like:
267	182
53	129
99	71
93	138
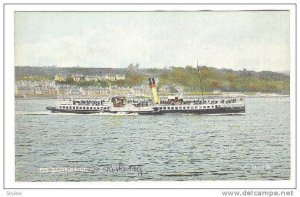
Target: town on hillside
51	81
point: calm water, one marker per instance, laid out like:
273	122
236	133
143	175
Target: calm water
70	147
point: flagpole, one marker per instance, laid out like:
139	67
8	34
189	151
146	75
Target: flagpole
200	81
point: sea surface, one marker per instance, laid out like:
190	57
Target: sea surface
173	147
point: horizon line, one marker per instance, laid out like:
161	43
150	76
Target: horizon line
167	67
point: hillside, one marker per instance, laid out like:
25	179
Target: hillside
185	77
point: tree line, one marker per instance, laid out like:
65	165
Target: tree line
186	77
226	80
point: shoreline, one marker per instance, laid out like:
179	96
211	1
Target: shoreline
229	94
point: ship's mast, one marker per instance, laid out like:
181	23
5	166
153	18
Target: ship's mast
200	80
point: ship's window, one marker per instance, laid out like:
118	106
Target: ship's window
73	107
204	107
98	107
164	107
76	107
83	107
196	107
160	108
188	107
180	107
168	107
212	106
80	108
183	107
176	107
63	107
59	107
208	106
172	107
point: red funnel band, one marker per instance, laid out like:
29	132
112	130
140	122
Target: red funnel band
152	85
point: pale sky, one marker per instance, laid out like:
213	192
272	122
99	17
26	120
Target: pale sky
254	40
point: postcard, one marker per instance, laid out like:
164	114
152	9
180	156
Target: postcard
150	96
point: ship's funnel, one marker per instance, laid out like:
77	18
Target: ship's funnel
152	86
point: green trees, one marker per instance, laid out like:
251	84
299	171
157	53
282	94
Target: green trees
226	80
174	77
134	78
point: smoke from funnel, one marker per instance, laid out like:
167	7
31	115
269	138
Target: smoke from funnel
152	86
